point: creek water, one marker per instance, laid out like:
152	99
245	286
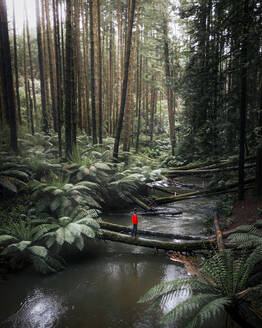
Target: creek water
101	289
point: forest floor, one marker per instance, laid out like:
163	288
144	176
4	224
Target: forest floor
247	211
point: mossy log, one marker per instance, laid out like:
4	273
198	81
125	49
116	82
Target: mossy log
124	229
140	203
174	198
171	172
185	246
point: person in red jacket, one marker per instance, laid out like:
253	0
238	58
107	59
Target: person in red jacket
135	223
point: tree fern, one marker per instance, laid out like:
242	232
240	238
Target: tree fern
222	283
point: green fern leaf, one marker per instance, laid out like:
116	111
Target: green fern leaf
38	251
6	184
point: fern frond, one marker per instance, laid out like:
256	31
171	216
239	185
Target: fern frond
189	307
208	312
165	288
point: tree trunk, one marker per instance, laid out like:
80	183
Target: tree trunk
18	103
119	58
86	75
59	78
46	60
124	229
243	105
45	126
6	76
26	79
185	246
170	102
259	171
125	80
69	81
52	67
92	64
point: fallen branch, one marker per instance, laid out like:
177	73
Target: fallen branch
124	229
185	246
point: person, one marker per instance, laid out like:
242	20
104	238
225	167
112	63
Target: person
135	222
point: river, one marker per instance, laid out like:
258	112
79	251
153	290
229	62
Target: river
101	288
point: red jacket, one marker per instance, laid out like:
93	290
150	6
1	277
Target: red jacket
134	219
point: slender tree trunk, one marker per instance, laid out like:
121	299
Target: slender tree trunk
86	76
170	105
139	104
79	79
92	64
46	60
26	79
69	80
125	80
243	105
119	58
97	66
130	90
45	126
30	61
18	103
6	76
59	79
31	110
52	66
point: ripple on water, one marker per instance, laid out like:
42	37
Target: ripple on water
40	309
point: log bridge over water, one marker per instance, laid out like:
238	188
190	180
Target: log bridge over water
174	242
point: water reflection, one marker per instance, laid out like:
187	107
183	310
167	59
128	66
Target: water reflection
41	309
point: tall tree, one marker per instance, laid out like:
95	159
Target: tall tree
69	80
92	67
52	66
6	76
169	91
125	79
45	126
59	79
18	103
243	106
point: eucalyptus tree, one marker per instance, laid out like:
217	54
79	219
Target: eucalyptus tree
18	102
45	125
125	79
6	77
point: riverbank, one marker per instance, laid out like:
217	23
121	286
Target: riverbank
246	211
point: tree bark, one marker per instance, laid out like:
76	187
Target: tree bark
243	105
45	126
92	64
69	81
18	102
185	246
6	76
125	80
59	78
52	67
124	229
170	101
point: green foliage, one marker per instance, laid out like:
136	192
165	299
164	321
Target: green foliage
223	281
22	243
71	229
12	176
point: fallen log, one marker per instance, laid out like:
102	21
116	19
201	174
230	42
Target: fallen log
174	198
119	228
140	203
159	213
170	173
185	246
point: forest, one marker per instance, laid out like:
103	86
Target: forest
111	105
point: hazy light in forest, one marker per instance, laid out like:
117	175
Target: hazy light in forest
20	14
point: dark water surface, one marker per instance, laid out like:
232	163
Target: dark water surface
102	289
